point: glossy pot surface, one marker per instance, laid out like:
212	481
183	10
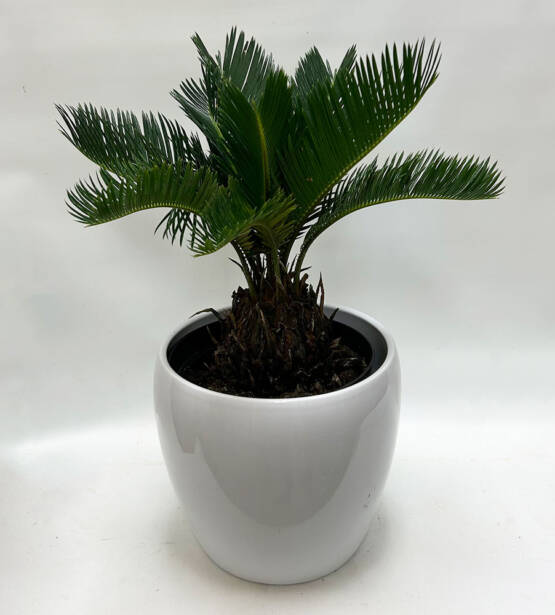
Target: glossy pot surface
280	490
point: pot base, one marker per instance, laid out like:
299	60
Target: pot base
285	579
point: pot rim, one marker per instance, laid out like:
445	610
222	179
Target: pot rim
337	394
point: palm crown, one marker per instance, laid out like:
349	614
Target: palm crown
279	154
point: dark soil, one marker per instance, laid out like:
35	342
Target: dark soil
279	345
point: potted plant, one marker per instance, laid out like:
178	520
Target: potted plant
277	415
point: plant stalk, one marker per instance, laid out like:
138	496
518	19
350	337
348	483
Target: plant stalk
245	269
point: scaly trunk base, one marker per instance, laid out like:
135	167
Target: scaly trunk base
278	345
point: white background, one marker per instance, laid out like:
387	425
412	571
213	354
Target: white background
88	522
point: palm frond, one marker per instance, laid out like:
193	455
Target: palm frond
230	218
273	225
313	71
275	110
211	75
245	144
193	99
107	198
176	223
348	61
253	134
245	64
423	175
122	143
347	118
198	99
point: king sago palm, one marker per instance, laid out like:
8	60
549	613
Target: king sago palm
276	165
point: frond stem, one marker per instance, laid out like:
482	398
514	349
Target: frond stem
245	268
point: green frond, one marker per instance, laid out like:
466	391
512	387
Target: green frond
275	110
348	61
107	198
245	144
311	71
227	219
211	75
176	222
253	134
273	224
230	218
245	64
424	175
347	118
193	99
122	143
198	99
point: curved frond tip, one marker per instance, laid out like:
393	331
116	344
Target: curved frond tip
104	198
423	175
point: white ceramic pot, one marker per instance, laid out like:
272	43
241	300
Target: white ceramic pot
280	490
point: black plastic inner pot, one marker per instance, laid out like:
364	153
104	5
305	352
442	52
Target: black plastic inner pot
191	346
